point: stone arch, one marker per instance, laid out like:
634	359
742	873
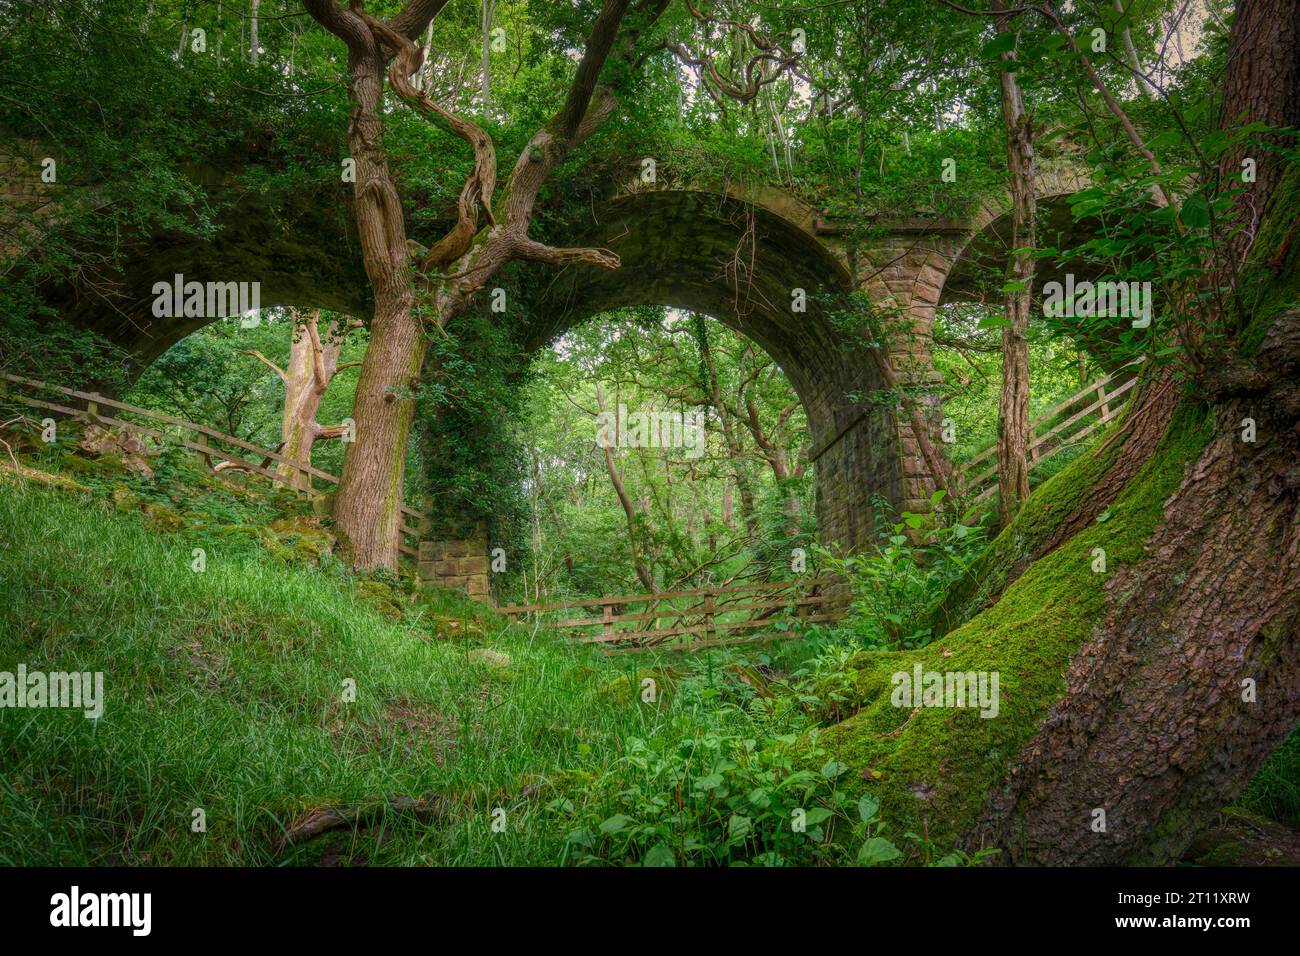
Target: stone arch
302	252
734	251
984	243
738	255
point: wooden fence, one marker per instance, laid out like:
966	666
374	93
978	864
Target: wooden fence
710	613
1049	436
94	403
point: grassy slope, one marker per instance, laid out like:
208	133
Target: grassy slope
224	692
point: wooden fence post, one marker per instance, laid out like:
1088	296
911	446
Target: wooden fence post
201	439
607	632
1101	393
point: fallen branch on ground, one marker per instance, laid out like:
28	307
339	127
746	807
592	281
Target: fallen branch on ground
320	820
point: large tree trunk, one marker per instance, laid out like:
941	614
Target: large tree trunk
1192	677
1013	401
1261	85
368	505
1175	622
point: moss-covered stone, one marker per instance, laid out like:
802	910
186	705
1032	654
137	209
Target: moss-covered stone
160	517
631	687
124	499
304	537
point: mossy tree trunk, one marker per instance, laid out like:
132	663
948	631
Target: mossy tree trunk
1181	653
1192	675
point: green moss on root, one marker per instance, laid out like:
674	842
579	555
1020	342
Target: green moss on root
1041	514
933	768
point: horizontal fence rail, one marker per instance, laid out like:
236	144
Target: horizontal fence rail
93	403
712	614
979	486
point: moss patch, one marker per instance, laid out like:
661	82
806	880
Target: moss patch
1037	520
1271	280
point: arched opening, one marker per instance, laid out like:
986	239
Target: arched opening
769	280
281	379
662	451
1077	383
759	261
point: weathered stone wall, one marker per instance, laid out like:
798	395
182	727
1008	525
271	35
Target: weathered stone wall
24	199
457	557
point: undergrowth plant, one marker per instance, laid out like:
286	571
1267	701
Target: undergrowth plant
894	585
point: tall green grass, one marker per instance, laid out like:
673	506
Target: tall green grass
224	692
1275	791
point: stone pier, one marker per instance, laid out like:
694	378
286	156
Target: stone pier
456	556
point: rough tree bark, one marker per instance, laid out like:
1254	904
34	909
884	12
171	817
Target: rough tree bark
1261	69
369	498
430	290
1192	677
1013	400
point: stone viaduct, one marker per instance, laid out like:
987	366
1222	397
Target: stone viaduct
735	252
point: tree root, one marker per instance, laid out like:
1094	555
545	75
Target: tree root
431	806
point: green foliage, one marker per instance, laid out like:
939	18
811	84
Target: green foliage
1275	790
895	585
693	522
473	466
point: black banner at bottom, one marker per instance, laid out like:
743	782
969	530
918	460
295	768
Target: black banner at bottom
337	905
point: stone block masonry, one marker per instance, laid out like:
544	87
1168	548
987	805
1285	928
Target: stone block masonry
456	557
